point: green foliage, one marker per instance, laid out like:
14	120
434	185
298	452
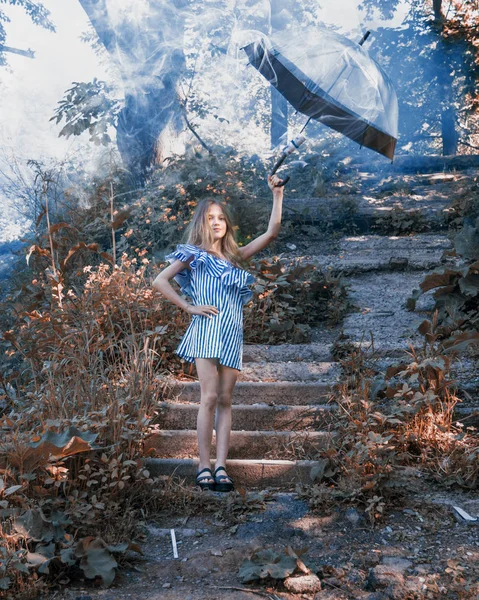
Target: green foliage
88	107
456	296
85	367
462	24
465	206
466	241
398	221
156	216
112	310
456	288
289	298
431	75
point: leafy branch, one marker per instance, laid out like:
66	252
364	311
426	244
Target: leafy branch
88	107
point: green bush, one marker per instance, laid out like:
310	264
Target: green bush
290	297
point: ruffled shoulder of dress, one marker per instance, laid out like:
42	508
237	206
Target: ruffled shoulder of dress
184	252
240	278
216	267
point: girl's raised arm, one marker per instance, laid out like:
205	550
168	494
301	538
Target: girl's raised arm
274	221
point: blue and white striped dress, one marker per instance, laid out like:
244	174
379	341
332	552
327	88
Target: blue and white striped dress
214	281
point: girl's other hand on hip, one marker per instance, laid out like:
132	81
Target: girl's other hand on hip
205	310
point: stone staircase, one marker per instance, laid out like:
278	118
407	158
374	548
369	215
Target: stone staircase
268	419
282	413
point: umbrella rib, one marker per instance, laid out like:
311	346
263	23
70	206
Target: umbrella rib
304	126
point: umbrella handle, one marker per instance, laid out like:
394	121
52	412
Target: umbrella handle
287	150
279	162
284	181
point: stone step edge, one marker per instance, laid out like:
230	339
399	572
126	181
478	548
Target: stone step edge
313	351
468	414
302	410
352	267
182	443
282	385
260	434
264	384
259	416
317	384
245	472
297	408
364	216
383	353
247	392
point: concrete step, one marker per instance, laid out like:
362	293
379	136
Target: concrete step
243	444
364	253
318	352
467	415
433	164
363	210
260	417
293	393
246	473
289	371
263	417
381	300
413	166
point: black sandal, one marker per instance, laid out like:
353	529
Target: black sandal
220	484
200	480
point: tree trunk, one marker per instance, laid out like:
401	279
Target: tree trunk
149	55
279	105
448	113
437	6
445	82
449	133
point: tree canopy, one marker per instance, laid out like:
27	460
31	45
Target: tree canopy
38	14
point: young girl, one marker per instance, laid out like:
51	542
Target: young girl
208	269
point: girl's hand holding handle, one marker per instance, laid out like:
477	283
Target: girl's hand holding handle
275	184
205	310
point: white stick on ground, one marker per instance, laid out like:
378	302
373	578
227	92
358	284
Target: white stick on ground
173	542
464	514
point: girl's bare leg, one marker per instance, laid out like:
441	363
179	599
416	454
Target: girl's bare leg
209	381
227	382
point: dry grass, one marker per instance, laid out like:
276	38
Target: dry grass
86	367
408	424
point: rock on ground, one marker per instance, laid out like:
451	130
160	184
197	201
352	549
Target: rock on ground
304	584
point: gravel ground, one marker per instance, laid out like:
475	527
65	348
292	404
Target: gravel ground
407	552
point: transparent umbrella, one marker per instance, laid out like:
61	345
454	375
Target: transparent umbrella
333	80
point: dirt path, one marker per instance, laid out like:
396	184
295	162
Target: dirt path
416	542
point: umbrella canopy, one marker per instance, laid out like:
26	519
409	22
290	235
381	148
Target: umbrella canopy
333	80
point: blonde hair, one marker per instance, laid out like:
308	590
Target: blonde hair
200	234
